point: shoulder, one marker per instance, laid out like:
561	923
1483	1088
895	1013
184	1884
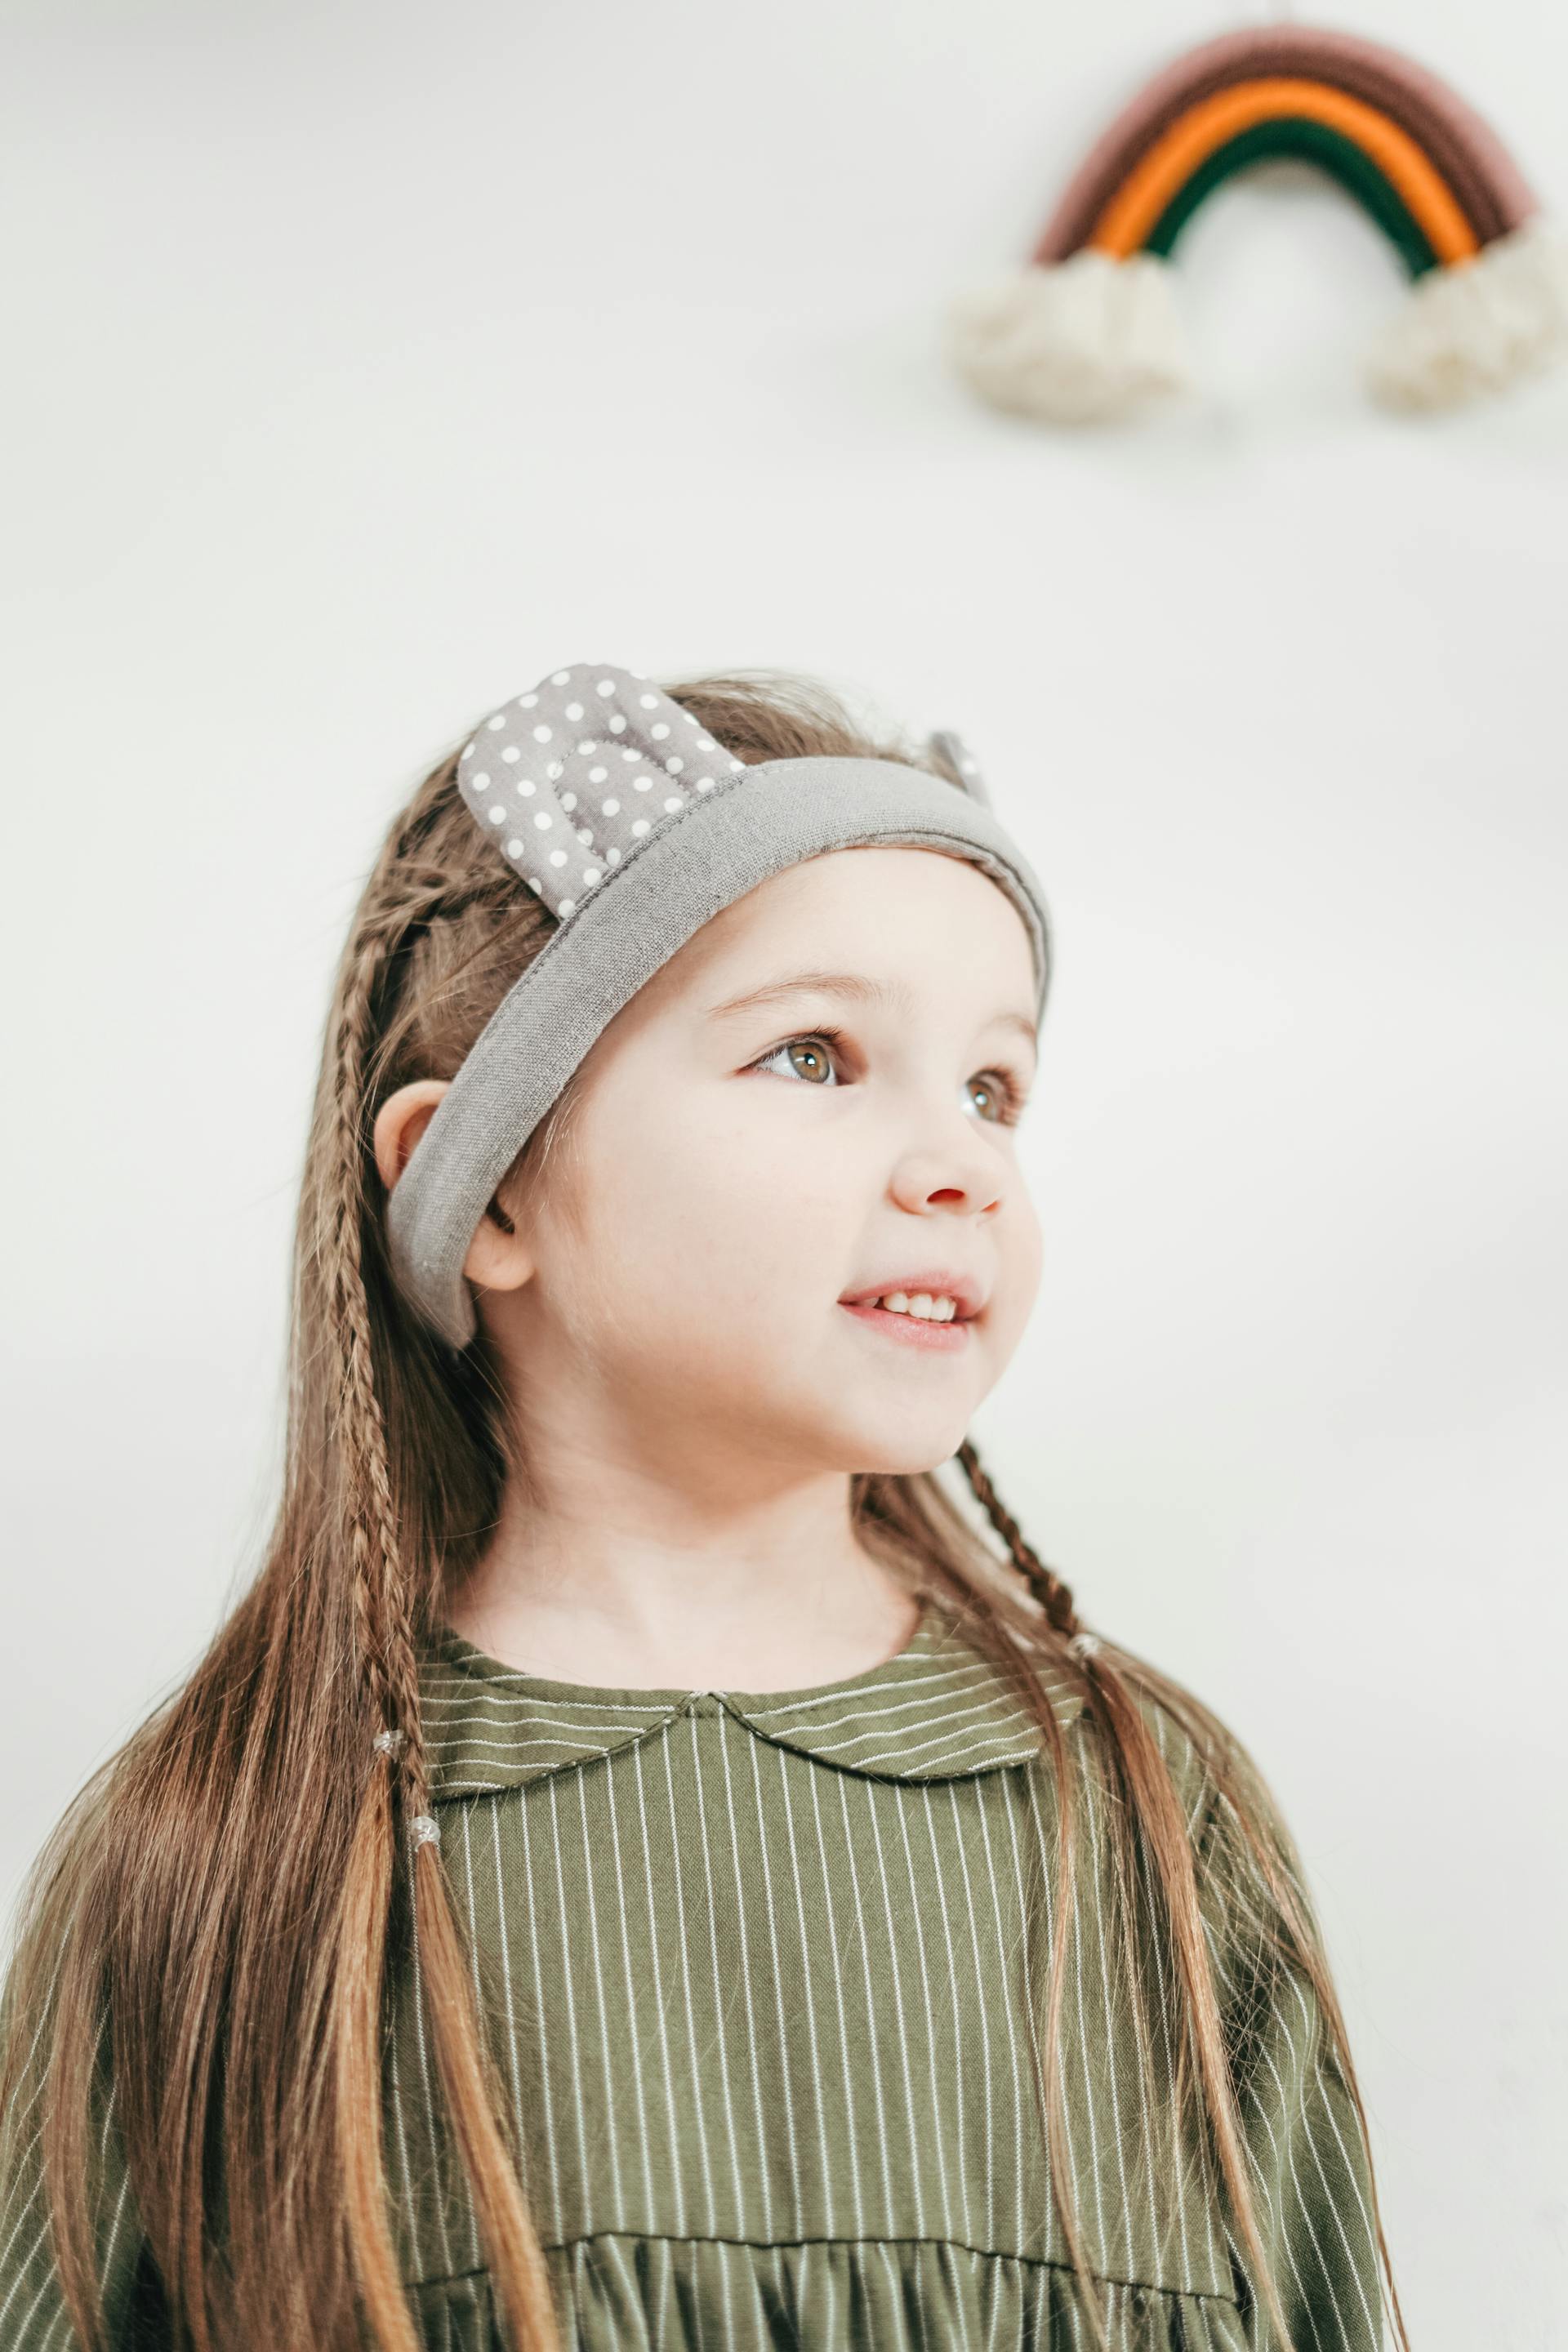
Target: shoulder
1244	1858
1193	1748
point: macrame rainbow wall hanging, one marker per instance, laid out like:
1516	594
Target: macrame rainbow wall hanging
1090	330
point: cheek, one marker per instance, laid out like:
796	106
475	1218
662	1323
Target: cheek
1025	1238
725	1212
1020	1258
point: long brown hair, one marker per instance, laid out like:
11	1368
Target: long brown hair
224	1903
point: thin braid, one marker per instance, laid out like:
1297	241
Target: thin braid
476	2101
426	895
412	887
1053	1594
379	1588
408	892
429	897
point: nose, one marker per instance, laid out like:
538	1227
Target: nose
962	1179
963	1200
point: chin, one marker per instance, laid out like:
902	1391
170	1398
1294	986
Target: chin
905	1452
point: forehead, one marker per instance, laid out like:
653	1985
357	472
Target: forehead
921	915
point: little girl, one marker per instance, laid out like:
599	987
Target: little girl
645	1865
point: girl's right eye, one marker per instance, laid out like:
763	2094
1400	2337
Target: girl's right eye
813	1065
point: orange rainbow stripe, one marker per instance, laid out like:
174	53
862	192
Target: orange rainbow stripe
1193	138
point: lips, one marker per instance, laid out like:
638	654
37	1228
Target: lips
915	1331
937	1282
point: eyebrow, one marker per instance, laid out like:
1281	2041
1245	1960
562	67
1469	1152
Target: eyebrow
889	996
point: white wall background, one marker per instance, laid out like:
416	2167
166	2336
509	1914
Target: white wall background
364	364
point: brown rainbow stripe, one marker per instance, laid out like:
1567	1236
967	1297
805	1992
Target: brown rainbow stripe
1425	166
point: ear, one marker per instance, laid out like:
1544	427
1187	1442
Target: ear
401	1121
497	1258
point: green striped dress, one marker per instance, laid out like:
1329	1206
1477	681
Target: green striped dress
755	1963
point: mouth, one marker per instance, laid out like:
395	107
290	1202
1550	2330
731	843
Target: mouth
932	1312
949	1339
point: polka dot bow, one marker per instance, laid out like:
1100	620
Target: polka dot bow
567	777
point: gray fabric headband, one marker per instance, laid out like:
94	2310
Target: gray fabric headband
634	827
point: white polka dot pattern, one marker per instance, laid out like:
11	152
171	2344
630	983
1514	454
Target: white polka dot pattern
572	755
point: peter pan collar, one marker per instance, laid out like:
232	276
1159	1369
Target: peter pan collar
937	1711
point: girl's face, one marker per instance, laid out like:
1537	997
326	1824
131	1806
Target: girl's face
757	1142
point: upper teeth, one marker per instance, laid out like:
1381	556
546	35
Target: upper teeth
932	1310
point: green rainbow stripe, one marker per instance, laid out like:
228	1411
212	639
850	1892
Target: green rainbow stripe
1302	140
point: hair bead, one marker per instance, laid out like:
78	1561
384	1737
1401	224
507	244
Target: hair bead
427	1830
390	1743
1083	1645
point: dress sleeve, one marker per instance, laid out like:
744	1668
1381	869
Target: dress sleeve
1308	2162
34	2315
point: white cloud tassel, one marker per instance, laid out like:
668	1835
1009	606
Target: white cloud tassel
1086	341
1476	327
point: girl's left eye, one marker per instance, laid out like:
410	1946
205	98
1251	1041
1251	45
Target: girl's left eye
818	1068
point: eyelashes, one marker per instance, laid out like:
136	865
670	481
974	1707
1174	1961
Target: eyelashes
1012	1097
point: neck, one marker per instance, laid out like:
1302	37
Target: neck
634	1583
